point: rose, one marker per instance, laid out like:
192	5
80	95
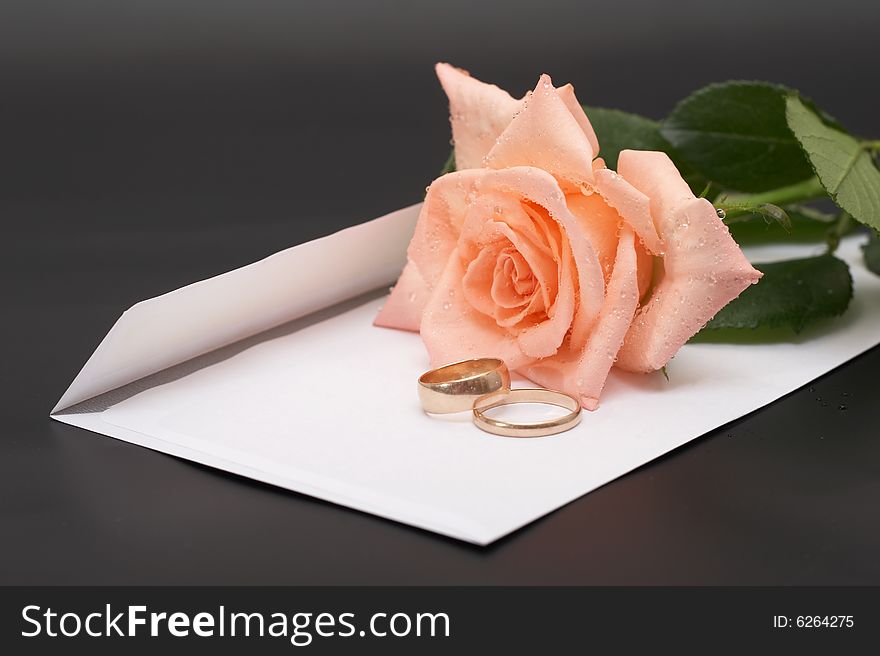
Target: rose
535	252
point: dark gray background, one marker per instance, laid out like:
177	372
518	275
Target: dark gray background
147	144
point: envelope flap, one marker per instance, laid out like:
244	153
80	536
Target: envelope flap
169	329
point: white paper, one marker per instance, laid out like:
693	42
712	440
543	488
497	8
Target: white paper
327	405
163	331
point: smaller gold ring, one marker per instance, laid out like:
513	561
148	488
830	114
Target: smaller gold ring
454	387
526	429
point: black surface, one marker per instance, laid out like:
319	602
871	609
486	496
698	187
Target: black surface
148	145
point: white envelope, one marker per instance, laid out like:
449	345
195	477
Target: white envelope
275	372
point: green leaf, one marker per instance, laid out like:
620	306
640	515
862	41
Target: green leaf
842	164
617	130
768	211
807	225
791	294
871	251
736	135
449	166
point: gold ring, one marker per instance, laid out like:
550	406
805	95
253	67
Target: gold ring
533	429
454	387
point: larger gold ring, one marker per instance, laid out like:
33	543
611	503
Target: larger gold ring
532	429
454	387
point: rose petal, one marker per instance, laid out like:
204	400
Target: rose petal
566	93
507	291
517	270
601	223
478	277
503	219
653	173
544	338
479	112
533	224
541	188
453	330
437	229
703	268
645	268
540	257
545	135
404	306
556	281
440	222
518	319
492	209
525	183
583	373
631	204
480	289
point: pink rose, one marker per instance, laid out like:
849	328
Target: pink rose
535	252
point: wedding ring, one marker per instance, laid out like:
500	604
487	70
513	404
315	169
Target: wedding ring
530	429
454	387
